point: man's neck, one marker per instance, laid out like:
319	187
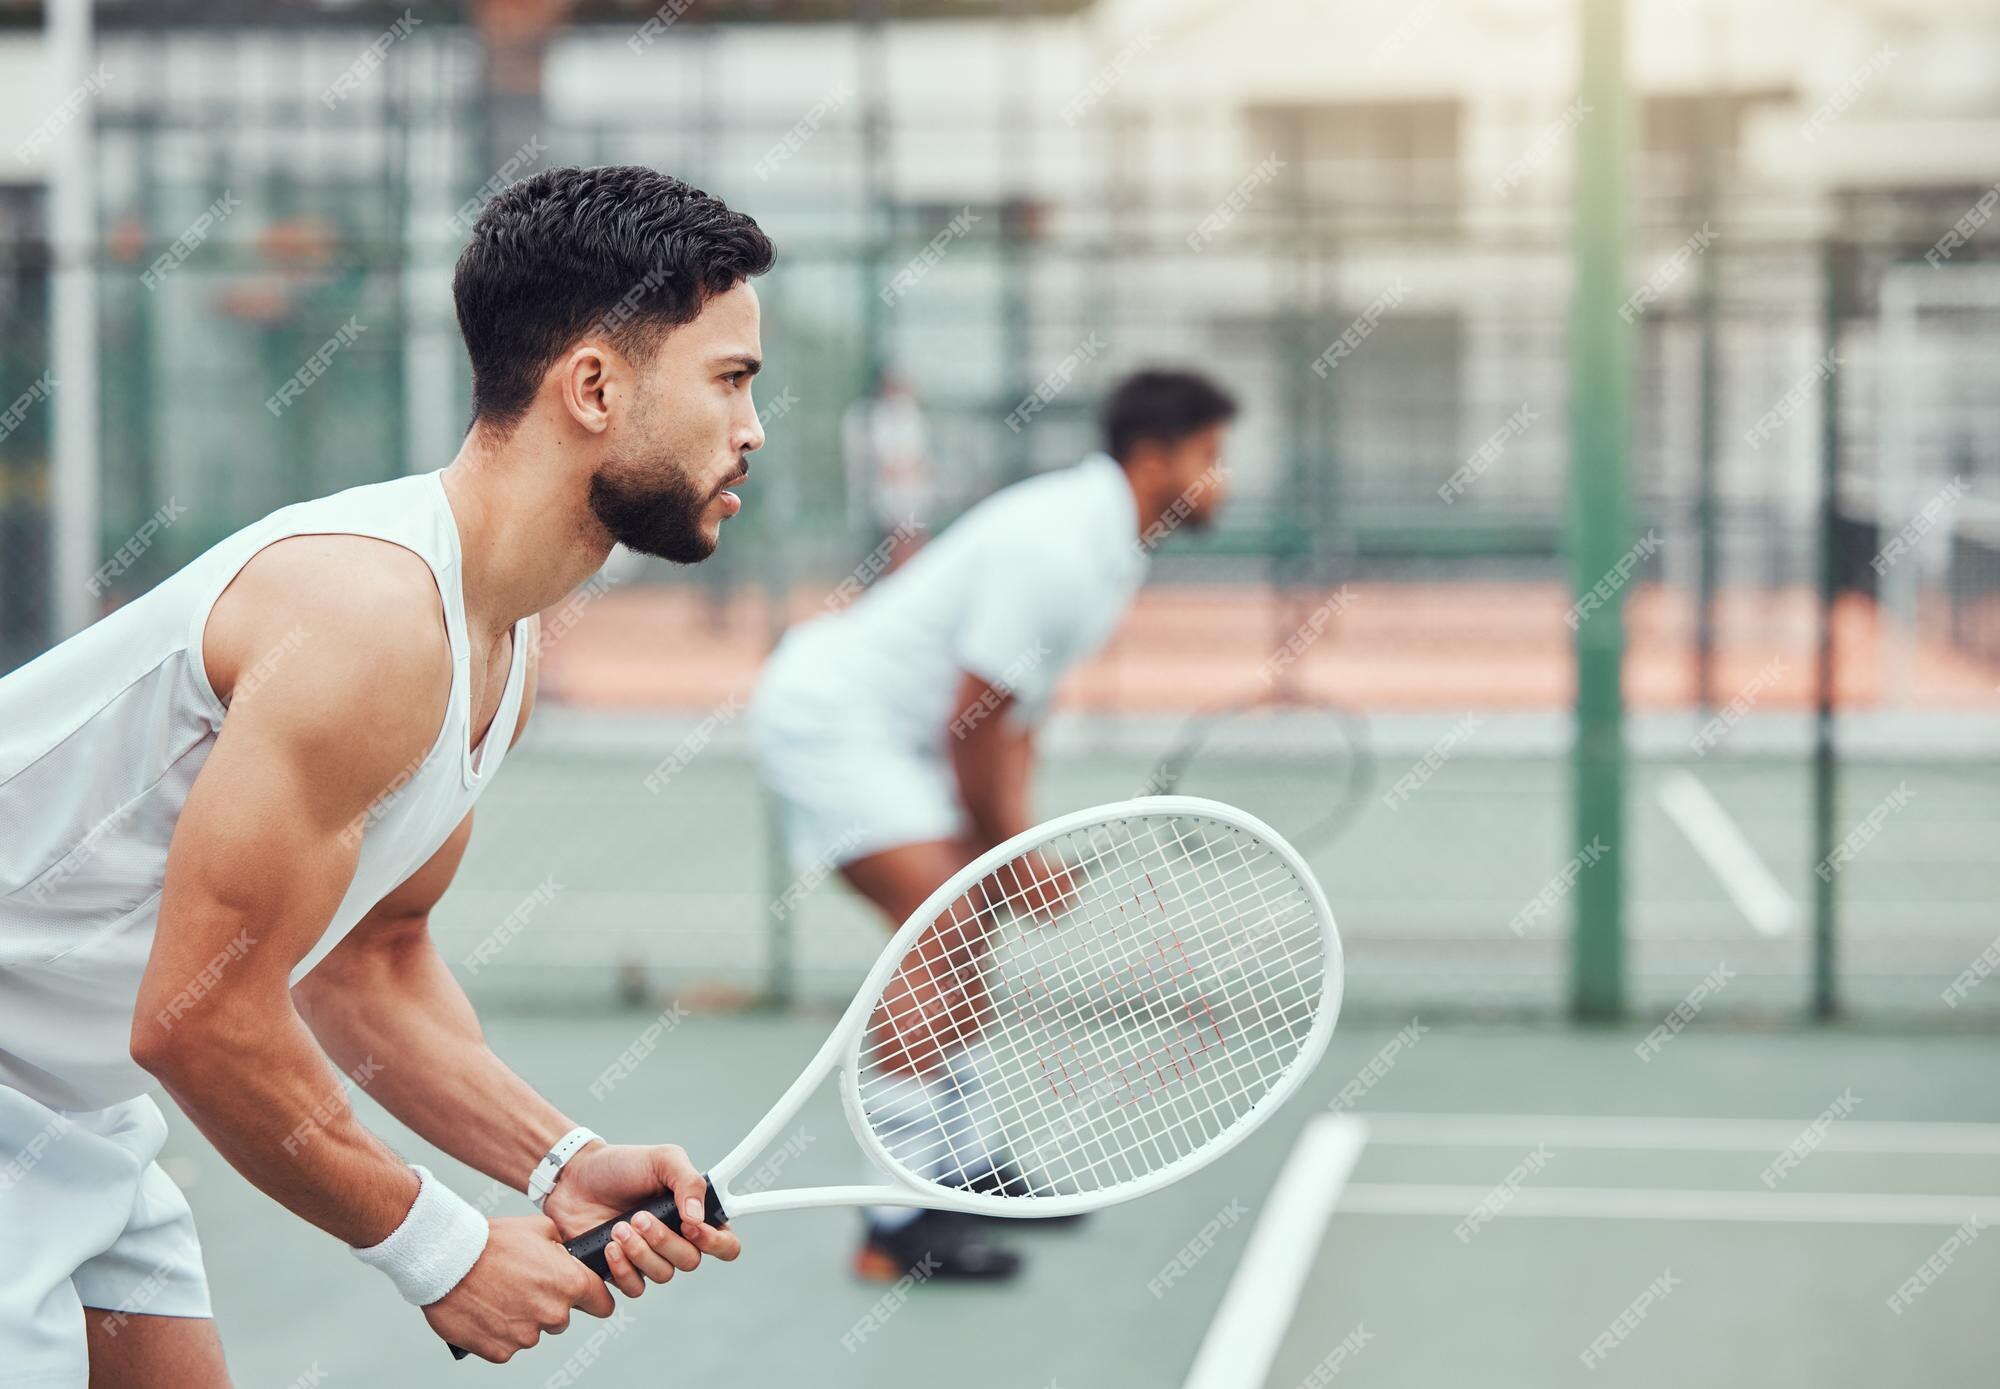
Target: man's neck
526	534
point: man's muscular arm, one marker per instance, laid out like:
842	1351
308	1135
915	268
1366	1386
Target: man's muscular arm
353	673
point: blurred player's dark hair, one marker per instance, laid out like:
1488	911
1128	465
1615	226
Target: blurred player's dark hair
1164	406
625	251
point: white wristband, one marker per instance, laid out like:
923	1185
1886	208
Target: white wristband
436	1245
542	1180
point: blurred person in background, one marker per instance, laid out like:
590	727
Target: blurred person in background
899	732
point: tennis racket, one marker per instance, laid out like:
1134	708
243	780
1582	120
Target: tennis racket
1144	983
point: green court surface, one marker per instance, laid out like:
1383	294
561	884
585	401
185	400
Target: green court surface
1770	1286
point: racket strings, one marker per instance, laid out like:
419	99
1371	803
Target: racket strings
1127	1029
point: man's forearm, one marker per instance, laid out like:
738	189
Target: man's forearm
257	1085
401	1005
991	764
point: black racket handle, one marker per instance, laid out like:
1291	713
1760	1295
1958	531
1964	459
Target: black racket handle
588	1247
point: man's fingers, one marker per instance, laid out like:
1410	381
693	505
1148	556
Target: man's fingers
718	1244
655	1250
623	1276
593	1298
679	1175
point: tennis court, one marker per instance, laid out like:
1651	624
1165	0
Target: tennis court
1787	1285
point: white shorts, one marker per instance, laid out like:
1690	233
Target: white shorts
89	1227
848	790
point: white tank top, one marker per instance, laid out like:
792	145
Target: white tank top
101	739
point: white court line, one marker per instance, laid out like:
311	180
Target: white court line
1769	909
1638	1203
1257	1307
1694	1135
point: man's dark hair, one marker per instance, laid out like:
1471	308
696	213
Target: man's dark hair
1164	406
625	251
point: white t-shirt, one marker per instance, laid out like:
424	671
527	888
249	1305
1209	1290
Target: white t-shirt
1017	591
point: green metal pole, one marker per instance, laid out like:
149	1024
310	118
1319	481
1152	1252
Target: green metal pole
1825	787
1599	512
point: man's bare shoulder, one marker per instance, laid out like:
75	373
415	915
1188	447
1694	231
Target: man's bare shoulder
347	631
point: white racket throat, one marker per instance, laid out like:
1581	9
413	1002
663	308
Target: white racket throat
1148	981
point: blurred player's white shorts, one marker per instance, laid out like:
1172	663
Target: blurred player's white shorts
90	1227
848	789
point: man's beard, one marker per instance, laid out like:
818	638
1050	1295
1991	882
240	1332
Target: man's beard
660	518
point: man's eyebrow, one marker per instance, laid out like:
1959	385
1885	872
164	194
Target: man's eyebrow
750	364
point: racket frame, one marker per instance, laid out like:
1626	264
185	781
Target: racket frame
842	1048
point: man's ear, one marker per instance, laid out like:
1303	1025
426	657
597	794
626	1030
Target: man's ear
585	382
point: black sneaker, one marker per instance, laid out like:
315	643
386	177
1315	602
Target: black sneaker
937	1244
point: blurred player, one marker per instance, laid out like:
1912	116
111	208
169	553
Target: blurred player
227	809
899	732
892	492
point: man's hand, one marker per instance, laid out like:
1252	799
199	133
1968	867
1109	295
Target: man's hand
603	1182
524	1284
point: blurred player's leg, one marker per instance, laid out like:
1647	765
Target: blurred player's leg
930	1115
147	1352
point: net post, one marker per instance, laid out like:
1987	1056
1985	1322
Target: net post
1599	512
1835	263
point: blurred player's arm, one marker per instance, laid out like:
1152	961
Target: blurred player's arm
992	755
